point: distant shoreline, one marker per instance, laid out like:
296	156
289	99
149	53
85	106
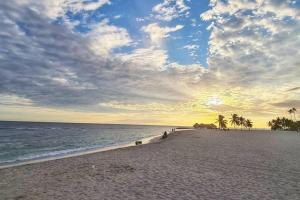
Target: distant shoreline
79	153
147	140
88	123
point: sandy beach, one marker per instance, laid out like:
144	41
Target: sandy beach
195	164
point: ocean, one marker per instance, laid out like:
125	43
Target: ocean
26	141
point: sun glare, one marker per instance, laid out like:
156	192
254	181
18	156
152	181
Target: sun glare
214	101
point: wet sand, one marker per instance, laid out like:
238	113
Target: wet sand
202	164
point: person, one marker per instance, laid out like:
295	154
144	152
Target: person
165	135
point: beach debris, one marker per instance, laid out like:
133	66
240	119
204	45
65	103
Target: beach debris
138	142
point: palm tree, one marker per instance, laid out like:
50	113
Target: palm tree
242	121
283	124
249	124
220	120
294	111
234	120
224	124
290	111
270	124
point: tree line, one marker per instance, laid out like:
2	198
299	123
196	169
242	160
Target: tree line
235	121
284	123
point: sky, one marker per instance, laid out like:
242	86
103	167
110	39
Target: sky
168	62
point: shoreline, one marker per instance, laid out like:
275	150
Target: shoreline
145	141
205	164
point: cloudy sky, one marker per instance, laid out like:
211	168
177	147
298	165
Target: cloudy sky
148	61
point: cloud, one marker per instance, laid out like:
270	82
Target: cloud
146	58
104	38
158	33
170	9
117	16
253	57
191	47
293	89
87	5
150	107
11	99
193	50
58	8
50	65
288	104
254	42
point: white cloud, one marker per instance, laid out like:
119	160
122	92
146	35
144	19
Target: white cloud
157	33
86	5
189	74
12	99
117	16
253	51
191	47
150	107
170	9
58	8
139	19
193	50
194	22
254	42
146	58
104	38
52	66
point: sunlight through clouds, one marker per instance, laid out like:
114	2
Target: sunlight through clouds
177	60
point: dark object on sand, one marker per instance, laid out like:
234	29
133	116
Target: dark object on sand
138	142
165	135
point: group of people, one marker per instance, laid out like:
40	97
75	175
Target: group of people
165	134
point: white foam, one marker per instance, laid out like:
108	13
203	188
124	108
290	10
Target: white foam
55	155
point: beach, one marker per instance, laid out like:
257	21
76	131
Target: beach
189	164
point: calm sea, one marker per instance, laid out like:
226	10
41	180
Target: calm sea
25	141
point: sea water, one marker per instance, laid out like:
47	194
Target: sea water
25	141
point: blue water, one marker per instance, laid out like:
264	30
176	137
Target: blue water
25	141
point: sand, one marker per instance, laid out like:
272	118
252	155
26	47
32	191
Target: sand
202	164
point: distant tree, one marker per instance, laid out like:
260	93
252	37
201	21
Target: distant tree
290	111
294	112
220	120
270	123
212	126
206	126
249	124
284	124
234	120
242	122
196	126
224	124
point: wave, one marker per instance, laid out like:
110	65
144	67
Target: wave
44	155
58	153
69	152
